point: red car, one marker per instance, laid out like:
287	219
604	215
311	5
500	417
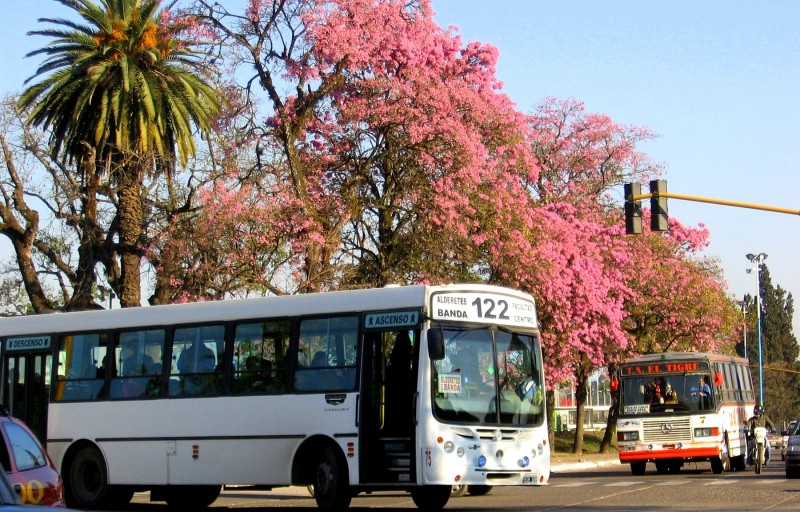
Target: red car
27	466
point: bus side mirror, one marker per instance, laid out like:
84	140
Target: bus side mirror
435	344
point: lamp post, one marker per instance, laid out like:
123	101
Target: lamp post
757	260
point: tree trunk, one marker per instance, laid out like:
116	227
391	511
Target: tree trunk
613	411
90	245
131	229
581	395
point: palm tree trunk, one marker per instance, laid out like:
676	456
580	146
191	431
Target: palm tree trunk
131	229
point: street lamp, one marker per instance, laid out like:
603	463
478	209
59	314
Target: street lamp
757	260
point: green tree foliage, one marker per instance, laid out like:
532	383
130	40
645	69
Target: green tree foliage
779	348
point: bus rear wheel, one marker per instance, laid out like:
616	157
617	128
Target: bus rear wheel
331	482
431	498
86	480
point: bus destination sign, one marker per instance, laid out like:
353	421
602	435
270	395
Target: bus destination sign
485	308
672	367
391	319
32	343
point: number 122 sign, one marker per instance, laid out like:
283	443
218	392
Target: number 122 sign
487	308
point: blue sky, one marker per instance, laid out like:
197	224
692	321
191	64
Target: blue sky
717	80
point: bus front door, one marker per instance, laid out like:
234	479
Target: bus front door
387	429
26	388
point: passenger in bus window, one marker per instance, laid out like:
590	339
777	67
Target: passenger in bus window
198	358
104	370
704	391
670	396
320	360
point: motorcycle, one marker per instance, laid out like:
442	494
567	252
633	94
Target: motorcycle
760	448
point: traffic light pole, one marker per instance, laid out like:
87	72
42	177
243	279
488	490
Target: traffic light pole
658	206
671	195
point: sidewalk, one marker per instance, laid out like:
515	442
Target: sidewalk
566	462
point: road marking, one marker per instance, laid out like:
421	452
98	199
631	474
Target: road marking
575	484
772	481
673	482
722	481
624	484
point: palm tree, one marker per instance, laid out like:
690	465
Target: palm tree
120	95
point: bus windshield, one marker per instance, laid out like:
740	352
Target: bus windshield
667	393
488	376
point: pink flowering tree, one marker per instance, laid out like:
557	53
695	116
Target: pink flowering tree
380	139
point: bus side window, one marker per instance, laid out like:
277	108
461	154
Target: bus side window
77	363
259	350
332	341
197	356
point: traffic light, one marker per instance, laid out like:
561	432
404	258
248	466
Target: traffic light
659	220
633	209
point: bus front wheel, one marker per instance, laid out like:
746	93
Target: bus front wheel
431	498
331	482
479	490
86	480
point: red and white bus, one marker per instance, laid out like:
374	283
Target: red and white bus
679	407
414	388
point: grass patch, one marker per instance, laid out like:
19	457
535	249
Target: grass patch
591	441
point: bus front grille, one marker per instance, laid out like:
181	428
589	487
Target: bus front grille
666	430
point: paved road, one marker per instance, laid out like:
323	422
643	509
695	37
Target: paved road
599	488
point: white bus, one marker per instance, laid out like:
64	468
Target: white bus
414	388
679	407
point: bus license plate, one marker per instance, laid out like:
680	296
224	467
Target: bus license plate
528	479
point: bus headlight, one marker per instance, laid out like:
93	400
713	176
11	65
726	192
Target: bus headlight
706	432
460	451
627	436
448	447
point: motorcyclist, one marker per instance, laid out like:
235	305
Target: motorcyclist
759	419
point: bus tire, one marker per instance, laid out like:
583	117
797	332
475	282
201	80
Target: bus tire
638	468
479	490
331	481
717	466
192	497
458	490
431	498
86	480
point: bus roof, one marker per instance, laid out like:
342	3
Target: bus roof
373	299
682	356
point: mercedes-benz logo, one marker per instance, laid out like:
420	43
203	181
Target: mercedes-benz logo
666	428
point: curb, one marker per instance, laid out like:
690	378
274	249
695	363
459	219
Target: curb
580	465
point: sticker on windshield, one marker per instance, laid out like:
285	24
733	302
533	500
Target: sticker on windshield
637	409
450	383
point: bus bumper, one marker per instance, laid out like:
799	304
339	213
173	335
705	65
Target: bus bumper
628	454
